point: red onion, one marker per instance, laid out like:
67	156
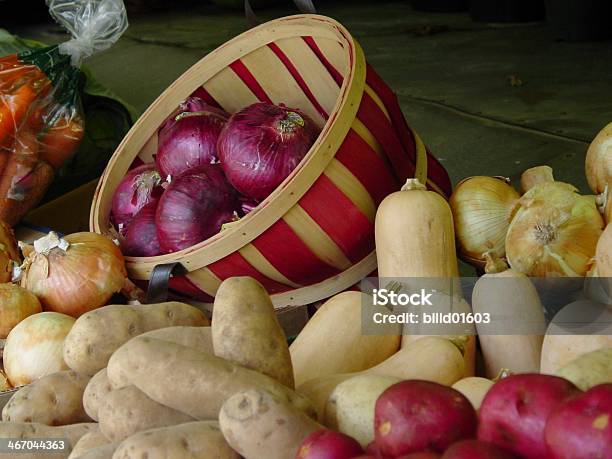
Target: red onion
139	187
194	207
247	205
141	234
260	146
188	138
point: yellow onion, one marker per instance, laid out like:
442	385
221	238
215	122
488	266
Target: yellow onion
482	210
16	304
534	176
554	232
34	348
4	382
9	252
75	274
598	164
604	202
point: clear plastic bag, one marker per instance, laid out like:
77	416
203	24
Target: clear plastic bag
41	117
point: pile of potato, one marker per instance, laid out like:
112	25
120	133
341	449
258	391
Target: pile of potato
152	380
158	381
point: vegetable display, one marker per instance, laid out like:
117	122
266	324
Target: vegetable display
262	144
141	186
245	330
332	341
141	235
412	416
55	399
9	252
41	119
193	208
223	380
483	208
98	334
554	232
33	348
209	169
514	412
74	274
581	427
188	138
598	163
16	303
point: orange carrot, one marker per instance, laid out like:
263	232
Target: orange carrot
13	108
19	179
61	141
38	180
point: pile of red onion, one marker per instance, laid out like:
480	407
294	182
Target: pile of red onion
209	169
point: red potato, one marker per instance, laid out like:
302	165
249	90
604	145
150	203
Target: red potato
581	428
513	414
475	449
413	416
328	444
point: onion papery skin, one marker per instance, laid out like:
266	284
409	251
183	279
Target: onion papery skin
598	162
261	145
9	252
482	210
188	137
247	205
78	280
16	304
34	348
139	187
554	232
141	234
194	207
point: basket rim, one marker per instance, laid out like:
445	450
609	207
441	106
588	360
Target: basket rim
291	190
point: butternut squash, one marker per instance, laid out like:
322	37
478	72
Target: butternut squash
429	358
466	342
415	238
333	342
350	407
474	389
561	346
590	369
514	305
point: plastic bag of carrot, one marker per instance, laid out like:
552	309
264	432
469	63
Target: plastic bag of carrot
41	117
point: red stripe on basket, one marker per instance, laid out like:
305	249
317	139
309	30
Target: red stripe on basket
298	78
372	116
184	287
367	166
435	170
340	218
236	265
291	257
207	97
312	44
247	77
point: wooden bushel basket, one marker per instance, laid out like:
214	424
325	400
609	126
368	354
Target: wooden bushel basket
314	235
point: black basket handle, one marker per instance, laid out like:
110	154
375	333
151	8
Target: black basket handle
157	292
